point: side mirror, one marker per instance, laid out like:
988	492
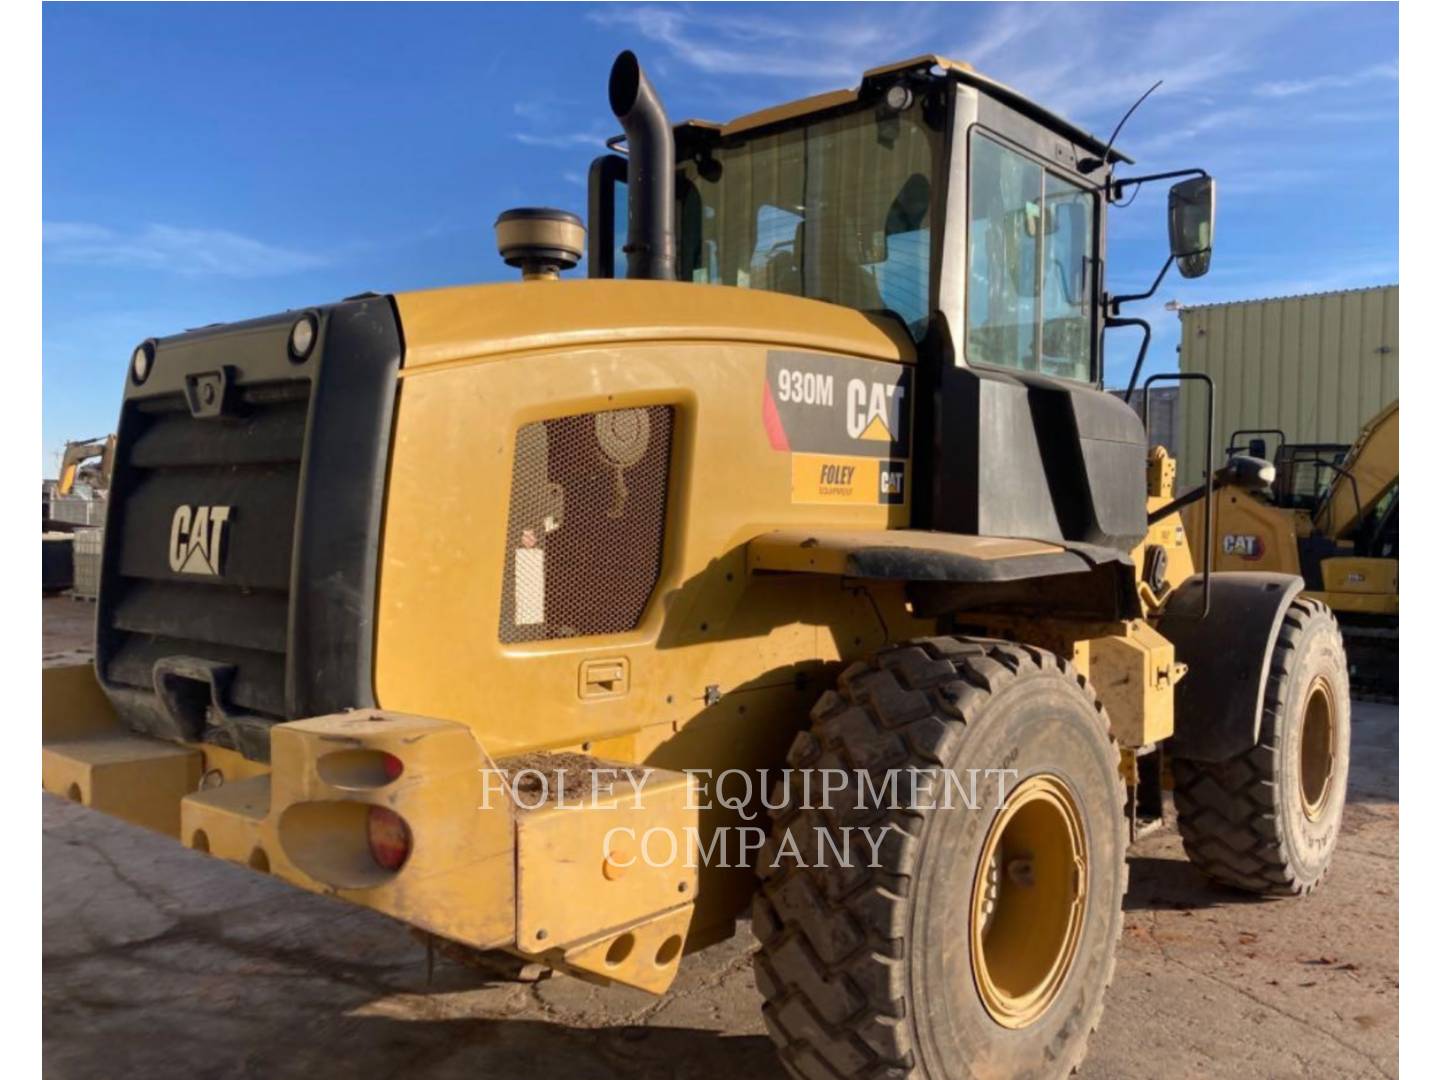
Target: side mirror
1192	225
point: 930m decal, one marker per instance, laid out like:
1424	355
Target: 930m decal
846	424
837	405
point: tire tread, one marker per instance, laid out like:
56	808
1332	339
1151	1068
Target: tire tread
830	938
1227	811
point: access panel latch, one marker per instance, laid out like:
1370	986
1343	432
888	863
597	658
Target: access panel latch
606	678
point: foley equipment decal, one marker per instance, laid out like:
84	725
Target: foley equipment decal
845	423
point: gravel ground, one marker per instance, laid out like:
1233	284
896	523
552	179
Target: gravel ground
162	962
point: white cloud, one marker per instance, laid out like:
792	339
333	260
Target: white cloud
1052	53
834	52
174	249
563	140
1191	128
1006	26
1292	87
532	109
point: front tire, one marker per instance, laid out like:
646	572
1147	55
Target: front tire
981	941
1267	821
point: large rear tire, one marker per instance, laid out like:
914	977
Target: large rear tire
975	942
1266	821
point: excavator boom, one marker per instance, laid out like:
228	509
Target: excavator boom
1369	471
79	452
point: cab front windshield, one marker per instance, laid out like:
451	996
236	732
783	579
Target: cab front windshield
838	209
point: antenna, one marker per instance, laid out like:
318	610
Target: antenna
1090	165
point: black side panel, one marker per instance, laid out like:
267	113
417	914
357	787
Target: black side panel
920	564
1082	582
1218	702
1024	455
342	491
1113	448
990	467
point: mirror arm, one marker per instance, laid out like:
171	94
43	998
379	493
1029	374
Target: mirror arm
1112	303
1115	189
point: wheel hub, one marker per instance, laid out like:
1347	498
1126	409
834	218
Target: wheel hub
1317	749
1028	901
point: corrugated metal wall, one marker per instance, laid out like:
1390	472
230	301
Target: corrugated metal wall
1316	367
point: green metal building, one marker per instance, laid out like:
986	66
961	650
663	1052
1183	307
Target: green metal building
1316	367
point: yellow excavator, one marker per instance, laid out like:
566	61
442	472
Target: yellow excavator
77	497
1332	516
75	467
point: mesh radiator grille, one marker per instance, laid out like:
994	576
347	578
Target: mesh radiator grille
587	523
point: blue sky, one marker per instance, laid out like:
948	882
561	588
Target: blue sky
212	162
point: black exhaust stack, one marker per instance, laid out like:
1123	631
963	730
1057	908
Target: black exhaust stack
650	252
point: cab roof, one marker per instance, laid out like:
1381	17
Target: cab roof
956	69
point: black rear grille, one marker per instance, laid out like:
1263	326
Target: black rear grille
238	582
248	462
256	690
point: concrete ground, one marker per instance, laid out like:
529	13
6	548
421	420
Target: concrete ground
162	962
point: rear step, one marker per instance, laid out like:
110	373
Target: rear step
137	779
227	822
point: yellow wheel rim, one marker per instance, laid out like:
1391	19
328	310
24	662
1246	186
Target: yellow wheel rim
1028	901
1317	749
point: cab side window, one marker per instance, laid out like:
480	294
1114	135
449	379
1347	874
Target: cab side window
1031	265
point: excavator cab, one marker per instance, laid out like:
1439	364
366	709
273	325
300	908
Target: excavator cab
1304	472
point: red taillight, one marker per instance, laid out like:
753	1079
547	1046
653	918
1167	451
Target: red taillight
389	838
392	765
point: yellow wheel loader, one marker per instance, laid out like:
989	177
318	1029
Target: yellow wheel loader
812	578
1332	516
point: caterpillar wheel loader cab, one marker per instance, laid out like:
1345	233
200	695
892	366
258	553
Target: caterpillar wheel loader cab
1331	516
813	535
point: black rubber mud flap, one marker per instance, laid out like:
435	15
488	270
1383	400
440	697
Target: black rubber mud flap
1218	703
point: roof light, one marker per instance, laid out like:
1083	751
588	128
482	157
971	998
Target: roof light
898	97
141	362
302	338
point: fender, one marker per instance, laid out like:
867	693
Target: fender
945	573
1218	704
